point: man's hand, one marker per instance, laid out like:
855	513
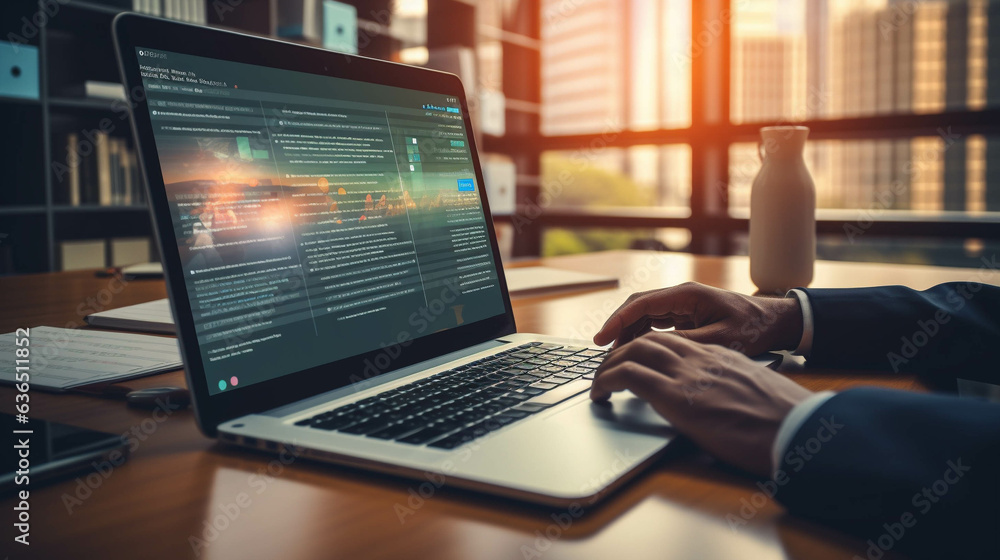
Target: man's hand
726	403
749	324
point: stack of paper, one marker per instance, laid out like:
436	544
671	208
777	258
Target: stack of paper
61	359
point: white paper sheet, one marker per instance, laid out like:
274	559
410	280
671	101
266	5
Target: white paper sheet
538	279
61	359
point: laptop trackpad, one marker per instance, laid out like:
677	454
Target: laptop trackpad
624	411
573	450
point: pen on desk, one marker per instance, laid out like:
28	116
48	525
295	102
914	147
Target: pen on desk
103	390
108	272
140	398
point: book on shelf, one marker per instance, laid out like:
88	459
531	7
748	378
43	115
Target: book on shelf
192	11
120	182
129	250
94	253
151	7
108	175
126	177
81	254
88	177
73	162
94	89
115	164
103	153
138	182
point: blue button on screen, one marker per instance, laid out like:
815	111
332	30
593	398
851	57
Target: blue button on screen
466	185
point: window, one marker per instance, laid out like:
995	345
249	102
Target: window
639	176
608	65
928	174
795	60
649	112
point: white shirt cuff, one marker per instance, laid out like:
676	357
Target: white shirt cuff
806	343
791	424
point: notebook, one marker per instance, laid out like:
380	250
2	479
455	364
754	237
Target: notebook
63	359
535	280
154	316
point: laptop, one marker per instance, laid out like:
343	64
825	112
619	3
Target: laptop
335	277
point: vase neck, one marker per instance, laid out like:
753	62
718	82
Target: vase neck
782	143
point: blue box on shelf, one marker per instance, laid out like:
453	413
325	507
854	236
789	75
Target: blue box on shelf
18	70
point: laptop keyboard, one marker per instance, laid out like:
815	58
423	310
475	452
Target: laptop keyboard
454	407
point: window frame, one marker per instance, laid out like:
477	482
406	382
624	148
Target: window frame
710	135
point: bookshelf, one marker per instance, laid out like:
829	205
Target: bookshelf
74	45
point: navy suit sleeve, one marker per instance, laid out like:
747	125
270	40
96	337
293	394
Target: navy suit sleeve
951	330
905	471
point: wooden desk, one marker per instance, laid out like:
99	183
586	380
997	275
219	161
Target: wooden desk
177	480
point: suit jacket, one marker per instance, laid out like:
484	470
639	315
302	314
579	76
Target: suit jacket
904	471
947	331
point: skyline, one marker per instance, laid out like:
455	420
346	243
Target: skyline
790	62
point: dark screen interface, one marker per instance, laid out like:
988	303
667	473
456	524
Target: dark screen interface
317	218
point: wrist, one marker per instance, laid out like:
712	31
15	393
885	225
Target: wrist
787	327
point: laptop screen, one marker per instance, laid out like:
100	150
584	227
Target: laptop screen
317	218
